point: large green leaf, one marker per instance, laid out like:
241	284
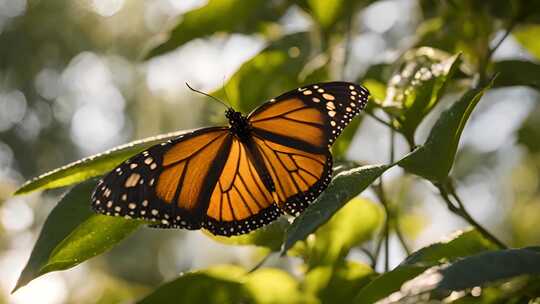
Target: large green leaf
528	37
490	267
529	132
418	86
72	234
461	245
478	270
388	283
230	284
435	158
219	16
517	73
64	218
273	71
219	284
351	225
337	283
93	237
92	166
344	187
271	285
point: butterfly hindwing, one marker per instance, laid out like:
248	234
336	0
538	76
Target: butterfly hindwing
240	201
299	176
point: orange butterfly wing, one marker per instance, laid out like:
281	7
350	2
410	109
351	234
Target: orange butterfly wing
240	201
294	133
204	179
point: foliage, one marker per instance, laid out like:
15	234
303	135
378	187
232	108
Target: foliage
452	55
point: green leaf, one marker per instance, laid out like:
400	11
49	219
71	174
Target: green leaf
462	244
270	236
219	16
387	283
343	187
70	211
96	235
273	71
351	225
435	158
528	37
230	284
517	73
72	234
478	270
92	166
488	267
418	86
529	132
219	284
270	285
377	90
338	283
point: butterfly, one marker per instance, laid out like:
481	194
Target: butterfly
233	179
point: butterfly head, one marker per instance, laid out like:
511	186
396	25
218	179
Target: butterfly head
238	123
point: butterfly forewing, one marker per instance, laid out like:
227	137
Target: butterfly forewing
315	114
169	183
295	131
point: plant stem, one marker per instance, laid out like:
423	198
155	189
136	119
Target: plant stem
372	259
446	190
347	50
261	262
378	248
379	191
382	121
401	238
483	64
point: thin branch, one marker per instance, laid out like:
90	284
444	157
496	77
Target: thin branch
484	62
348	45
401	238
509	28
392	145
261	262
379	191
372	259
378	248
382	121
460	210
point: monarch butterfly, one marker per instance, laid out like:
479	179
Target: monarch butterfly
232	180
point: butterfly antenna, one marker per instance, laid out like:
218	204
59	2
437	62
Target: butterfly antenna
205	94
225	88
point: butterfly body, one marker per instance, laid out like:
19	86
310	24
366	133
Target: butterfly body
231	180
238	124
